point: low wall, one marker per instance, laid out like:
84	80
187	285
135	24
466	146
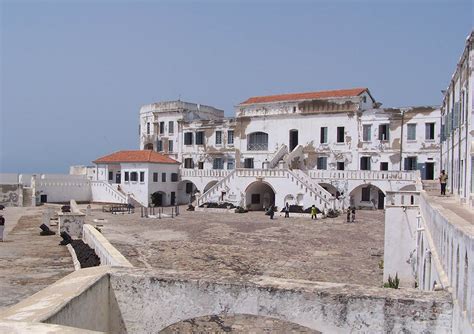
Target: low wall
11	194
107	253
63	188
71	223
446	255
326	307
80	300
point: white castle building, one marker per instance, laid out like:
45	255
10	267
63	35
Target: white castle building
303	148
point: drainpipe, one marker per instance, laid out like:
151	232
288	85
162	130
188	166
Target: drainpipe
401	141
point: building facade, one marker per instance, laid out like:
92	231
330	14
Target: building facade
457	151
342	130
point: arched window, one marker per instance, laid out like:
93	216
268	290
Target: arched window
257	141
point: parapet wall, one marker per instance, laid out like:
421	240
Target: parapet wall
107	253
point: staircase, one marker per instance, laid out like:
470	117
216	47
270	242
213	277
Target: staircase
104	192
279	154
214	190
431	186
322	193
296	153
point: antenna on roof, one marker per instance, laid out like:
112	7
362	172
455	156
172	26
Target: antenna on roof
179	97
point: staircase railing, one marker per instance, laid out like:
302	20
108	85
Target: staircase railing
114	193
322	193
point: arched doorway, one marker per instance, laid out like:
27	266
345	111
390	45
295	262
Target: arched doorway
158	198
149	146
259	195
367	196
187	191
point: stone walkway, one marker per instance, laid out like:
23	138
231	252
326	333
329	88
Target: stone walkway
454	211
240	246
28	261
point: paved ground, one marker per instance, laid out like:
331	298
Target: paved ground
239	246
28	261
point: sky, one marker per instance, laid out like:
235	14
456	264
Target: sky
73	74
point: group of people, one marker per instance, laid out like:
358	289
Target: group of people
271	211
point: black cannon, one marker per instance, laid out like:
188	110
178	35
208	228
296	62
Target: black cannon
45	230
66	239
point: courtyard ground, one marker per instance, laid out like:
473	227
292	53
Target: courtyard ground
29	262
240	246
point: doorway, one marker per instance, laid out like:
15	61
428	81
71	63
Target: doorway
118	177
381	200
429	171
158	198
293	139
43	198
173	198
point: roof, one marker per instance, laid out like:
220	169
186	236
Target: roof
136	156
307	96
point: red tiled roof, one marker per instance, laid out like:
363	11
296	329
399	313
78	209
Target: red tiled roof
306	96
136	156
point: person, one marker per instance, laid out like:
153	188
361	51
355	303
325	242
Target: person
314	211
443	179
349	215
287	210
271	211
353	214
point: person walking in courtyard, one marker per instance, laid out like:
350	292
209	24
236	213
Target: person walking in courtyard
443	179
349	214
353	214
313	212
287	210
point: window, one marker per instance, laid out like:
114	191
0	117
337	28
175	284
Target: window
248	163
170	146
218	163
188	138
189	188
340	165
163	177
383	132
257	141
148	128
230	137
340	134
322	163
174	177
365	163
410	163
188	163
384	166
230	163
365	194
170	127
142	176
324	135
201	165
294	109
429	131
159	145
218	137
200	138
162	127
411	131
134	176
255	199
155	177
111	176
127	176
367	132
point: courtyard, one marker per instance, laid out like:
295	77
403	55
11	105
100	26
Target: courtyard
237	247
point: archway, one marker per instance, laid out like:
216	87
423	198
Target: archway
232	323
187	191
367	196
158	198
259	195
209	186
148	146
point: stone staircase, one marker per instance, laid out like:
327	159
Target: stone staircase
431	186
279	154
315	187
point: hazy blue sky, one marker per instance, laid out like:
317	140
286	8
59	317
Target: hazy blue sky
74	74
